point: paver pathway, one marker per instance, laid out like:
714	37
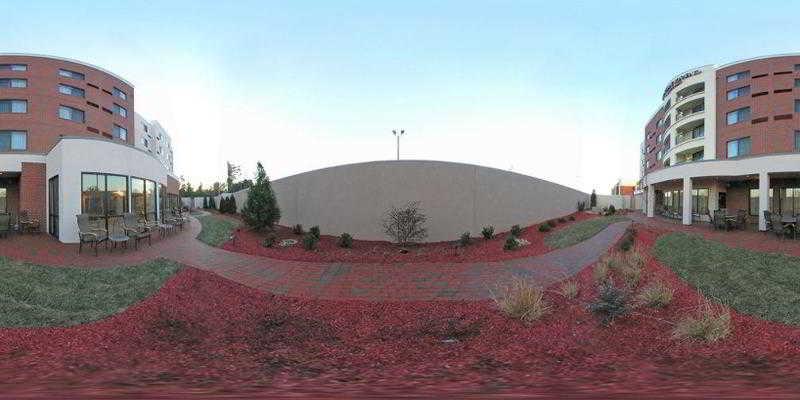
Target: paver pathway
373	282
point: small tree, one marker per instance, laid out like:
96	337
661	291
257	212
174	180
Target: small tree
593	199
205	202
261	210
406	224
212	203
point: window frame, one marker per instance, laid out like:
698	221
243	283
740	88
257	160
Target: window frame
117	128
71	88
738	147
14	67
68	73
11	134
740	92
11	81
11	103
738	76
116	108
117	92
737	112
72	109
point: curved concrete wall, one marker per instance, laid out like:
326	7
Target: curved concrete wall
455	197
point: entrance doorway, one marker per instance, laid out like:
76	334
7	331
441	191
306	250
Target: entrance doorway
722	201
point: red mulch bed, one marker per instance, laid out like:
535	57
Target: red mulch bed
365	251
204	335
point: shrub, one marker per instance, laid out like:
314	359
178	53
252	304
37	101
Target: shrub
310	241
511	243
345	240
314	230
205	202
631	273
600	272
611	209
212	203
270	239
406	224
464	240
656	295
297	229
569	289
593	199
516	231
709	323
610	304
562	220
552	223
636	258
572	218
487	232
261	209
522	300
626	242
544	228
581	205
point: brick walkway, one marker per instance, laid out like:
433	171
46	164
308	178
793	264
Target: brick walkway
373	282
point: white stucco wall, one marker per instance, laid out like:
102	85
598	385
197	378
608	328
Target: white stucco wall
73	156
456	197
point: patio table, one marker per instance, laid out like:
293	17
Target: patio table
119	238
789	222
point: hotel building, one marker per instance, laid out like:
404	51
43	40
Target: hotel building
71	143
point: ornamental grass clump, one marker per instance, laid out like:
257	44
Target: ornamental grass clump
544	228
464	240
656	295
487	232
297	229
345	241
511	243
552	223
600	271
516	231
611	303
562	220
709	323
314	230
270	239
569	289
310	241
522	300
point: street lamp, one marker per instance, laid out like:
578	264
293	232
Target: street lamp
402	132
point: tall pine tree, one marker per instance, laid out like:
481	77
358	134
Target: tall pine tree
261	210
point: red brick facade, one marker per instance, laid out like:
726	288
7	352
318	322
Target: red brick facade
42	122
32	187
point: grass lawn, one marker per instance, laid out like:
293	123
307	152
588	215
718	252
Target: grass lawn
766	285
216	229
580	231
35	295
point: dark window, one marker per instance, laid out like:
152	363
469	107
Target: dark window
105	198
797	67
13	67
736	116
739	147
120	110
797	83
797	106
71	90
13	140
120	94
13	83
13	106
796	140
738	92
738	76
71	74
72	114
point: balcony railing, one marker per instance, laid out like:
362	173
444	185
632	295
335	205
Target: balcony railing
686	136
684	96
688	113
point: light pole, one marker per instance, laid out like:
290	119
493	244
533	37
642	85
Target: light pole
402	132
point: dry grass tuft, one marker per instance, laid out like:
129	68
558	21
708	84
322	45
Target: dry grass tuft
709	323
522	300
656	295
569	289
600	272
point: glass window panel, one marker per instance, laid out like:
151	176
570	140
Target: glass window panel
137	196
91	195
754	202
150	200
117	189
19	141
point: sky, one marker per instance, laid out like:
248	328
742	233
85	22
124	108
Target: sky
556	90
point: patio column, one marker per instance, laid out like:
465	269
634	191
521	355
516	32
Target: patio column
650	203
687	201
763	199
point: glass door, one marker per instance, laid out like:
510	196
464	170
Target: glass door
52	206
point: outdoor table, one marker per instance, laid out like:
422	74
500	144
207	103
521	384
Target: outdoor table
165	228
119	238
789	222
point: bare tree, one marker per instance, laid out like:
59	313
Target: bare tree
406	224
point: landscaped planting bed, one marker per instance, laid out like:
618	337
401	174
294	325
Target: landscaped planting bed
364	251
216	229
202	334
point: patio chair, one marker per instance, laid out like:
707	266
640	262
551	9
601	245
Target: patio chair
89	234
135	230
5	224
720	222
768	218
741	219
780	229
28	223
175	219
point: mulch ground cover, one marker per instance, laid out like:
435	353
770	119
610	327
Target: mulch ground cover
203	335
365	251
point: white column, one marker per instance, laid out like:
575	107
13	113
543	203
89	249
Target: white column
687	201
763	199
650	203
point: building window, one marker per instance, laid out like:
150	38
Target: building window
72	114
14	106
13	83
120	94
120	132
742	114
105	198
700	201
121	111
143	196
71	74
71	90
13	67
738	76
797	106
739	92
13	140
796	140
797	83
797	67
739	147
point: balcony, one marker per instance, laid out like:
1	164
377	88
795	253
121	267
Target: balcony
694	154
692	108
695	130
690	91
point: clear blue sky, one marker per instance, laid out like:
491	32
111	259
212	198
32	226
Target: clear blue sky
557	90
